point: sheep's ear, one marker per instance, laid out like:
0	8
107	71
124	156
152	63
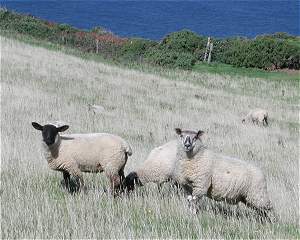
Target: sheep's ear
37	126
199	133
62	128
178	131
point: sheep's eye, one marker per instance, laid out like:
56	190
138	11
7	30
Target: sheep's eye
181	136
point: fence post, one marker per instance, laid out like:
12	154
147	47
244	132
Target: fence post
97	46
207	48
209	55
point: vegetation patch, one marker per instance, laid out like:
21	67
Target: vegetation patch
34	205
183	50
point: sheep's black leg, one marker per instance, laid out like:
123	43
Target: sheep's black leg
122	178
74	184
121	175
71	182
176	186
266	121
262	215
66	181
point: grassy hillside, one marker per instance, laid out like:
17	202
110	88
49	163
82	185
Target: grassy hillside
213	68
39	84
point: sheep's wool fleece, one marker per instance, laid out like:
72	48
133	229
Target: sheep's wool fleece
221	177
87	153
257	114
159	165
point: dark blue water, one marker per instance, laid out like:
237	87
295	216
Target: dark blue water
154	19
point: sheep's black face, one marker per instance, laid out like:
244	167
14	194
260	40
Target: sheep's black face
131	180
49	132
188	138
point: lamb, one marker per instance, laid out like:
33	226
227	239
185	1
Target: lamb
257	116
74	154
157	168
202	172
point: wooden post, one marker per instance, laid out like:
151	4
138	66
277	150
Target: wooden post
209	55
207	48
97	46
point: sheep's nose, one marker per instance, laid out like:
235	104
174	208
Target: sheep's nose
48	141
187	143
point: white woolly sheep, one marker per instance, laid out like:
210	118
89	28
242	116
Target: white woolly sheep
157	168
73	154
257	116
96	108
203	172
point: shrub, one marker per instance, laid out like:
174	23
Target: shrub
134	49
184	41
263	52
110	44
168	58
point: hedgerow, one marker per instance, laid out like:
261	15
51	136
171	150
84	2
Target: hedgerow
268	52
179	49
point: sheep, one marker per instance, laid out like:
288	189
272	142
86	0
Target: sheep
257	116
157	168
96	108
202	172
73	154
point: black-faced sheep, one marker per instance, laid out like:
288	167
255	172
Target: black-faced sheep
73	154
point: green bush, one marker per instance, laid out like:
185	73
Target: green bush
263	52
134	49
165	58
183	41
64	28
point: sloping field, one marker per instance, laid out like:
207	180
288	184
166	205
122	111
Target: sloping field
42	85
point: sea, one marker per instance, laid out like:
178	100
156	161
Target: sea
155	19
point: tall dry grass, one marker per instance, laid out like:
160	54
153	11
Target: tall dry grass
42	85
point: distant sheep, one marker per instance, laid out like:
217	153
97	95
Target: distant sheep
202	172
96	108
157	168
76	153
257	116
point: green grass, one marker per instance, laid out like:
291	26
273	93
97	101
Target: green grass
220	68
295	42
